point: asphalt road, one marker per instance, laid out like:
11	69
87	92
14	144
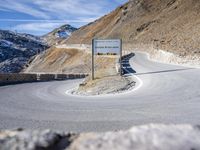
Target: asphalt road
165	94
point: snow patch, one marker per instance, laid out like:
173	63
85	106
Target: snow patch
6	43
63	34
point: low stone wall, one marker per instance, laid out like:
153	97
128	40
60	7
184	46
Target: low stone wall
14	78
124	57
128	56
17	78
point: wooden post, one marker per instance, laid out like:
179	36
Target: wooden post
93	59
121	73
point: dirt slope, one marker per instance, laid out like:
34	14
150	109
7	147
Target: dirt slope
172	25
62	60
150	25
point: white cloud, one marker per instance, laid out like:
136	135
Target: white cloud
59	9
44	26
64	7
49	14
22	7
37	27
3	9
78	20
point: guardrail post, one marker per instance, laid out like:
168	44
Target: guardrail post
38	77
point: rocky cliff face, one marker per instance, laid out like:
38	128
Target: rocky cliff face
167	29
59	34
17	49
171	25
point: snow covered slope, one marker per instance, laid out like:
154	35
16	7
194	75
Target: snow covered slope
17	49
59	34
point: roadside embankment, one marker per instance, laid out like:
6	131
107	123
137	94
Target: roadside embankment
15	78
166	56
69	61
112	83
151	137
107	85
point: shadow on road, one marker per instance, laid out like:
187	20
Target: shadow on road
163	71
127	69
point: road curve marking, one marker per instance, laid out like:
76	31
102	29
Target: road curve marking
139	81
140	84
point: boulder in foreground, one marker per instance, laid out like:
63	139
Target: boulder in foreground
146	137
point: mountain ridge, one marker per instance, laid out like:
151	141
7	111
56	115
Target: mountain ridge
58	34
171	25
17	49
166	29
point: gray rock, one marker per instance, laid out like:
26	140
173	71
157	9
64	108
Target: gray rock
33	140
147	137
16	50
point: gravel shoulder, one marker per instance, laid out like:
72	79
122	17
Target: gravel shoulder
108	81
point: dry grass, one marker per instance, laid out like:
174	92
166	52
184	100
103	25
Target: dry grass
98	28
172	25
62	60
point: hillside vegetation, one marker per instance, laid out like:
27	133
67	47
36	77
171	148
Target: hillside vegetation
63	60
172	25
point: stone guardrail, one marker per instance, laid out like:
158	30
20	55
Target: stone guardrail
124	57
15	78
128	56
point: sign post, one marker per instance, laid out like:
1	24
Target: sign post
93	48
106	47
121	73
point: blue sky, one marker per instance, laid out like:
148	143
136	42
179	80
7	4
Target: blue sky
41	16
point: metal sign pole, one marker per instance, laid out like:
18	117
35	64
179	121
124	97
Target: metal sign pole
121	73
93	59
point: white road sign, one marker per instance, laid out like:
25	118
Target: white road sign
112	46
106	47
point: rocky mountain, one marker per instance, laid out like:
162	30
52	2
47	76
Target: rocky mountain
17	49
170	25
59	34
169	30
